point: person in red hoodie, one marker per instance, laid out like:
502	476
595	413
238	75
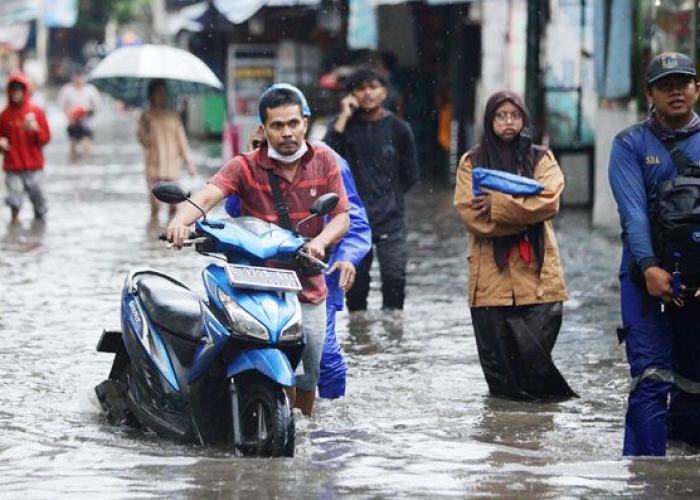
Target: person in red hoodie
24	131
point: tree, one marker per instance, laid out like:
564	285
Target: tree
96	14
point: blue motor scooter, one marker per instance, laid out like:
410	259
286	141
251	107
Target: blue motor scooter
213	371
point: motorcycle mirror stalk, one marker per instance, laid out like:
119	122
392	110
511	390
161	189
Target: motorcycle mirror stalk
320	207
173	193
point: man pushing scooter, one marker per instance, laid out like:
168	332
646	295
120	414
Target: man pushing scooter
277	183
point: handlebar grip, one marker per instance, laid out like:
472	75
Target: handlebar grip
313	259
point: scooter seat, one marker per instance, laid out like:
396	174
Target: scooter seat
172	307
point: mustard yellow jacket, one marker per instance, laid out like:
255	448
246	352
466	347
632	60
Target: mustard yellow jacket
519	283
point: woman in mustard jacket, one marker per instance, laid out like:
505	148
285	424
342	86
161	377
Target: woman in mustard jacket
516	282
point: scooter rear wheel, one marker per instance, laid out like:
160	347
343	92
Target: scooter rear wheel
267	421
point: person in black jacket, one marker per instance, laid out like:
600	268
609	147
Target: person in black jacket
381	152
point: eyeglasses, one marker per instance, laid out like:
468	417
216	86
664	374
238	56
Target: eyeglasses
503	116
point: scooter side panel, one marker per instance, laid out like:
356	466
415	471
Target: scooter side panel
137	322
270	362
209	347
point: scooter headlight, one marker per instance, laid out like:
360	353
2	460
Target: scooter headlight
293	331
241	321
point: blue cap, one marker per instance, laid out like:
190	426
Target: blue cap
669	63
305	109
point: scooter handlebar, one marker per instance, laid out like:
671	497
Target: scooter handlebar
193	240
313	259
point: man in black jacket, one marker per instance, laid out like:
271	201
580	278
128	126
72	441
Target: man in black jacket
381	152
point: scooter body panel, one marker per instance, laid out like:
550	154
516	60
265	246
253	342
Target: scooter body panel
272	309
135	320
215	338
259	239
270	362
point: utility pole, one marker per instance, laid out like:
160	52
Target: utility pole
157	21
42	46
534	81
694	30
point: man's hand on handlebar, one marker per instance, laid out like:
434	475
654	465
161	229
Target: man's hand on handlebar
316	248
177	234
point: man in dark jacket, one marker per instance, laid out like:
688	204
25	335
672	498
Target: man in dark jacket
381	152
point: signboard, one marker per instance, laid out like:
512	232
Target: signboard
250	70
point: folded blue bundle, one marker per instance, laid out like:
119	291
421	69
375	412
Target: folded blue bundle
504	182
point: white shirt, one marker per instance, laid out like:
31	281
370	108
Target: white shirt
86	96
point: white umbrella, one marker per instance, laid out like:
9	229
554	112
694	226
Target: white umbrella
126	72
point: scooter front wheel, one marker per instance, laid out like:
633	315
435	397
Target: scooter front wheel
266	419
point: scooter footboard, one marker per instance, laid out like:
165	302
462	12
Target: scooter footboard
270	362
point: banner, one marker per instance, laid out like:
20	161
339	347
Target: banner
362	25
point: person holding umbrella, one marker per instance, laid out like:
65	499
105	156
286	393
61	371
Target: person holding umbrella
164	142
516	282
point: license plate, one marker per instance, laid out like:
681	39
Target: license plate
263	278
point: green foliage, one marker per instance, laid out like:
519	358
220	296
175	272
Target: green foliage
96	13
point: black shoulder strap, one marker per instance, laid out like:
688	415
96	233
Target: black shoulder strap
684	165
280	206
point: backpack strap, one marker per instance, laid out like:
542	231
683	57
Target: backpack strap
684	165
280	206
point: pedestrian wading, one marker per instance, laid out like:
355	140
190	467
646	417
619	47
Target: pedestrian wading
381	152
24	132
344	258
516	282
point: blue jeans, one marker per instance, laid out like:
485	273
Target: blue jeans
313	317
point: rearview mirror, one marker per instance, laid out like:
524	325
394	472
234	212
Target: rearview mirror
324	204
170	192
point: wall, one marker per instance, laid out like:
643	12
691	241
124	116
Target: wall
612	117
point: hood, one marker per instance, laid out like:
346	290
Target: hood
499	98
491	152
19	77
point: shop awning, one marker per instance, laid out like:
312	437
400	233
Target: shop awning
198	16
55	13
429	2
15	36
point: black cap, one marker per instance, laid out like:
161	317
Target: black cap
669	63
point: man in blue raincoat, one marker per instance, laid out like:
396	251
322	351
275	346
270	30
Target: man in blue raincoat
345	257
662	339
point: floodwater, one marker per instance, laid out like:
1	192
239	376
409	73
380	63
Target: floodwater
416	423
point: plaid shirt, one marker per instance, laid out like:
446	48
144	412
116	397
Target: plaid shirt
318	173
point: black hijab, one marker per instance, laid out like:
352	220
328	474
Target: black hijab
517	157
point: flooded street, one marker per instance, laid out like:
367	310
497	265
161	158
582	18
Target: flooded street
416	422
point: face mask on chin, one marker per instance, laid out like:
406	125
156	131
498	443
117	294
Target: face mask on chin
277	156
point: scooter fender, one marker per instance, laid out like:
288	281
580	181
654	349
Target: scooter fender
270	362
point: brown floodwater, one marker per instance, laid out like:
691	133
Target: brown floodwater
416	423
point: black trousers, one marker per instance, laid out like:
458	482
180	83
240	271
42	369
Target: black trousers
392	253
515	345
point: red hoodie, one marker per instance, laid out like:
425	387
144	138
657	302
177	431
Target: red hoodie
25	145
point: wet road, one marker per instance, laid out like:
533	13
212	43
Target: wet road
416	422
